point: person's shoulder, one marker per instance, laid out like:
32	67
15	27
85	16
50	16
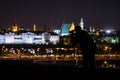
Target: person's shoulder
84	32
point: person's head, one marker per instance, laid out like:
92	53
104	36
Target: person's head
78	28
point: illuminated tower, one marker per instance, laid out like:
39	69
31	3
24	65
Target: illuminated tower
81	24
90	29
93	29
14	27
34	28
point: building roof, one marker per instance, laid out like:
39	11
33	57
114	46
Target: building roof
65	28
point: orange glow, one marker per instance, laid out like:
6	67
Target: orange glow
15	28
34	28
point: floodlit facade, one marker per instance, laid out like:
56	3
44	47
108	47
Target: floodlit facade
65	28
29	38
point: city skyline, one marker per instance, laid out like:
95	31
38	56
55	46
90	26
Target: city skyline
99	14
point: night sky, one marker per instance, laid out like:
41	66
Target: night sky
52	13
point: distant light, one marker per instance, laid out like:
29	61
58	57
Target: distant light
57	31
108	31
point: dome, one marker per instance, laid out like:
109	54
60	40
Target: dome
66	28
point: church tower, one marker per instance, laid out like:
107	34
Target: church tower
14	27
34	28
81	24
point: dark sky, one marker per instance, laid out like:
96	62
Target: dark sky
96	13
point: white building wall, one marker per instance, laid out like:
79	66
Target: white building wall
28	38
54	39
38	39
18	39
9	38
2	39
45	36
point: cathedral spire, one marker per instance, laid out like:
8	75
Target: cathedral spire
14	27
34	28
15	24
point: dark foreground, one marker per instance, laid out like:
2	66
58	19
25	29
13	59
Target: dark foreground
26	70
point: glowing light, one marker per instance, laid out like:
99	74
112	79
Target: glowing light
34	28
72	27
108	31
82	24
57	31
15	28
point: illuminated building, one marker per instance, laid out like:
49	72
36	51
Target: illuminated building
92	29
65	28
29	38
15	27
57	31
34	28
81	24
113	38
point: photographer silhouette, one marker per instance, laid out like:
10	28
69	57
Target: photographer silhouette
86	44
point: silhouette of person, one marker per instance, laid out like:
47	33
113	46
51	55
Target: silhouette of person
86	44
